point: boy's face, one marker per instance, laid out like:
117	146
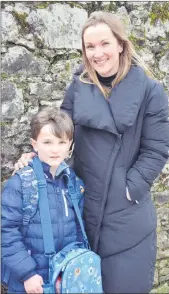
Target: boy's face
51	149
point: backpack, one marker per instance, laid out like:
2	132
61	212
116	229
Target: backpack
30	191
75	269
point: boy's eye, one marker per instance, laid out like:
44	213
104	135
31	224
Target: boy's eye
47	142
62	142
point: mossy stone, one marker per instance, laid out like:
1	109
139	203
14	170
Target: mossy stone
159	11
21	18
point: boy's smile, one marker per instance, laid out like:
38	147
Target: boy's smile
51	149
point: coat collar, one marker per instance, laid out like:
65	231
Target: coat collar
61	168
126	98
117	113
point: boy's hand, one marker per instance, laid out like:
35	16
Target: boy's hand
34	285
23	161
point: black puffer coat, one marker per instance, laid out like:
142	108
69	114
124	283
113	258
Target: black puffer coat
120	142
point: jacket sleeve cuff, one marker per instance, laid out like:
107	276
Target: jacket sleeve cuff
29	275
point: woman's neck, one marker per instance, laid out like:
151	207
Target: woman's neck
106	81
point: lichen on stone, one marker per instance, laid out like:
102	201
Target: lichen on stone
137	42
74	4
45	4
21	18
4	76
159	11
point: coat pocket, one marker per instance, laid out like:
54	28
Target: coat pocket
117	196
5	274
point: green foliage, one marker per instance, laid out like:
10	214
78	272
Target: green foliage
74	4
137	42
21	18
111	7
5	123
159	11
4	76
67	66
92	6
163	289
45	4
162	184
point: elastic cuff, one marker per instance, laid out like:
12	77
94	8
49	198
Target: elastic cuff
29	275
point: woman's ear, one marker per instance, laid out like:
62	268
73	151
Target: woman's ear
120	47
33	143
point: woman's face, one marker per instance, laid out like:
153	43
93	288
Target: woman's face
102	49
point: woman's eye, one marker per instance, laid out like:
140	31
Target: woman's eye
62	142
47	142
105	43
89	47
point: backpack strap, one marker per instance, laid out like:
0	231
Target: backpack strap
30	193
44	209
75	200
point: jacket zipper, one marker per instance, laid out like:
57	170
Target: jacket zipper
65	203
60	218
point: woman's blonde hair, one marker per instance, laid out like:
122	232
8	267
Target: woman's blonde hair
126	58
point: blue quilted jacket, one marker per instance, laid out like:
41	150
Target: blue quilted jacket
24	256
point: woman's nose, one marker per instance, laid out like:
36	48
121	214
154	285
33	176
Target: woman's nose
98	52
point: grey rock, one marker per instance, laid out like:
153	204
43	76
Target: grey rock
147	56
138	16
50	103
64	70
9	8
153	32
46	91
164	63
9	27
3	49
161	197
21	8
58	26
12	101
125	18
26	43
18	60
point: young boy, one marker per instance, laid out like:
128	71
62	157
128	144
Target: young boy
51	138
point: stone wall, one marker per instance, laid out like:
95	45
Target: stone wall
41	48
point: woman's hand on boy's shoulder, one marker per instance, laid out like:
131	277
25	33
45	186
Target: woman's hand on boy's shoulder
34	284
23	161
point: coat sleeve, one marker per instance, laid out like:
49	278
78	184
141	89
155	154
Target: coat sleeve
67	104
13	251
154	145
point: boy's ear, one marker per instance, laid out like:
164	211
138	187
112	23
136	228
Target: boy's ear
33	143
70	144
71	141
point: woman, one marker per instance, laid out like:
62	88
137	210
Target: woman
121	145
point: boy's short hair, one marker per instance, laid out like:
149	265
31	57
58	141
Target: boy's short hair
60	122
